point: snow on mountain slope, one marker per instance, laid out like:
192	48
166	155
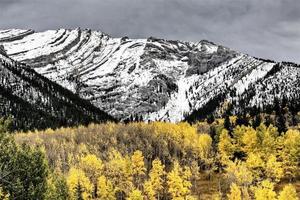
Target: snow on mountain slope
282	82
35	102
151	78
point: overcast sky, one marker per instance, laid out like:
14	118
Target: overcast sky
262	28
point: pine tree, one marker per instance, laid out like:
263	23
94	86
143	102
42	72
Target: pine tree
57	187
210	119
257	121
281	123
227	123
23	171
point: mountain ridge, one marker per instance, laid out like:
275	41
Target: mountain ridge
34	102
152	79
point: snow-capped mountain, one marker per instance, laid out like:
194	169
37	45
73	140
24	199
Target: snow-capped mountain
153	79
36	102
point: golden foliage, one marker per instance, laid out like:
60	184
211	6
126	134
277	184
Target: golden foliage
179	182
118	171
154	186
288	193
235	192
105	189
265	191
135	195
237	172
79	184
105	161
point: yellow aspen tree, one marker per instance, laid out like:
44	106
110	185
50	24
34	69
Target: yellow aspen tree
138	168
225	147
105	189
245	193
175	182
178	183
154	186
237	172
135	195
250	140
238	134
235	192
118	171
290	153
79	185
288	193
274	169
255	164
149	190
204	145
267	139
187	184
92	165
93	168
265	191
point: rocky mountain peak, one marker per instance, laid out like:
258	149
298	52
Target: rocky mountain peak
153	79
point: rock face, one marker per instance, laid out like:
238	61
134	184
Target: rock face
36	102
152	78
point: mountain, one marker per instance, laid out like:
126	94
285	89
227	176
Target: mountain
34	102
153	79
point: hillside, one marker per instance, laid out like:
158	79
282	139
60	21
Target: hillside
33	101
153	79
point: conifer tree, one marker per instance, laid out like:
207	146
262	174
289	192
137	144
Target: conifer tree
57	187
227	123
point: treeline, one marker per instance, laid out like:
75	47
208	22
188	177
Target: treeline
216	160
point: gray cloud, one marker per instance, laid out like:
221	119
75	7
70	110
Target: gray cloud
262	28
